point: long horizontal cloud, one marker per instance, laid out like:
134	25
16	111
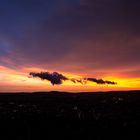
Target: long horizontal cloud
56	78
101	81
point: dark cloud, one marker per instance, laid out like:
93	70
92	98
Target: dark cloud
56	78
82	81
100	81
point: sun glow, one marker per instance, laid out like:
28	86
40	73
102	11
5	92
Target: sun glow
12	80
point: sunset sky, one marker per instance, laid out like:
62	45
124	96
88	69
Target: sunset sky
78	38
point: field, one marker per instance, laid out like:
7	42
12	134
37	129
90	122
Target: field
49	115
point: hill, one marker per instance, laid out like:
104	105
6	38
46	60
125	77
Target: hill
45	115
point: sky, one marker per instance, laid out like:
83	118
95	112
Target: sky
78	38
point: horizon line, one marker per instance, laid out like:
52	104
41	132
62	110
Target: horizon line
33	92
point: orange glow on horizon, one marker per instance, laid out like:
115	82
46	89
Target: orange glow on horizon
18	81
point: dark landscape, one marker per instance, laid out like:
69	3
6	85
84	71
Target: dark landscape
57	47
51	115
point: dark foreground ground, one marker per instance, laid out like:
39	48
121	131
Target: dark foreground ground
57	115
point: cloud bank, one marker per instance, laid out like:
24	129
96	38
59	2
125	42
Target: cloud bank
56	78
80	34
